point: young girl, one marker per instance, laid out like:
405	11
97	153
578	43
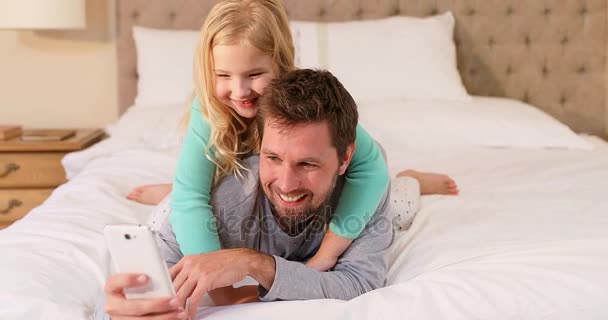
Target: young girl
244	45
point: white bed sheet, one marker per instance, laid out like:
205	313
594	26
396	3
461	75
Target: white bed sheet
54	261
526	238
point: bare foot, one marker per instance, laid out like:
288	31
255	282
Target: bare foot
151	194
432	183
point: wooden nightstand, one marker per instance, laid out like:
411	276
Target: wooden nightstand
29	171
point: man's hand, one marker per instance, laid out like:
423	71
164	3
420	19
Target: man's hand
118	307
195	275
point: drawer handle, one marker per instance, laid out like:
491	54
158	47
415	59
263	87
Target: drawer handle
13	203
11	167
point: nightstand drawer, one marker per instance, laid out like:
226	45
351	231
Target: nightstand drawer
15	203
27	170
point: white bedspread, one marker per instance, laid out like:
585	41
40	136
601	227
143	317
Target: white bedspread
54	261
526	239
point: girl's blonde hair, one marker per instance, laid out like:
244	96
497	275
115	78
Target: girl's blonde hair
262	24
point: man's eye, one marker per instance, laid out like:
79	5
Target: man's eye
254	75
308	165
273	158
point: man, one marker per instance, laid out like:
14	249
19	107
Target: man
272	221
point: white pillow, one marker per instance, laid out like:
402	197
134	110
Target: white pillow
165	64
158	127
386	59
307	44
482	122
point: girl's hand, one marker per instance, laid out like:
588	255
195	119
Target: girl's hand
322	263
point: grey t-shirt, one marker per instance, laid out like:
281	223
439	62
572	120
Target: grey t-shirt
245	220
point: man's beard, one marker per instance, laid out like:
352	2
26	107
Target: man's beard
294	221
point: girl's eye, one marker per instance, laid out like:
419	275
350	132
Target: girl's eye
223	75
253	75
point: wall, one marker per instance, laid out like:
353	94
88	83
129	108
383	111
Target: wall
60	79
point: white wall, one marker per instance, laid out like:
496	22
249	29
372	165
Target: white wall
57	79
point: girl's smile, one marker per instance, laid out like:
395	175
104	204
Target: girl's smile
241	73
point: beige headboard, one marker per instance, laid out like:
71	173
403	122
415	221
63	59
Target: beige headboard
550	53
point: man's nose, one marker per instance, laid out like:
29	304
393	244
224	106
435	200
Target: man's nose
287	179
241	88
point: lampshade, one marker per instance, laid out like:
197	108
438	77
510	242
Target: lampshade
42	14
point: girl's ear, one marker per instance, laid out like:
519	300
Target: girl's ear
348	156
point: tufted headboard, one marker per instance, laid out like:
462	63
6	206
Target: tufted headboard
550	53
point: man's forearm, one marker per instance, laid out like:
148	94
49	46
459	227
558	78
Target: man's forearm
361	268
261	267
295	281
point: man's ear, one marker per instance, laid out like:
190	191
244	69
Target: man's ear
348	156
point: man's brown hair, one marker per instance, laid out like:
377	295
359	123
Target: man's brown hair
304	96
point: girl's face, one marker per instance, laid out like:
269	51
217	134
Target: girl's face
241	73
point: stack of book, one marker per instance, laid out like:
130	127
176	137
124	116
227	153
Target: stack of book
8	132
47	134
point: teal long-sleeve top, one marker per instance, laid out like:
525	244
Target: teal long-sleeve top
192	217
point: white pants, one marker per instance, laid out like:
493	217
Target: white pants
161	213
405	201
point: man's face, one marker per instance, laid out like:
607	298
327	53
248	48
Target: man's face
298	168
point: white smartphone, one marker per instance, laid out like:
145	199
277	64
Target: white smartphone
133	249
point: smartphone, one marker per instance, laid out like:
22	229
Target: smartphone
133	249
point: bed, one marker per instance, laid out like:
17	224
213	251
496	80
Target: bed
525	239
